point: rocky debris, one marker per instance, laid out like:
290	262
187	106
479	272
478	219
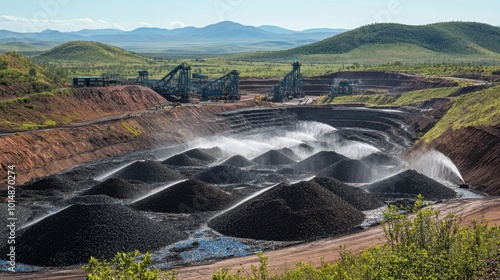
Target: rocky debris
78	232
117	188
273	157
380	159
356	197
319	161
238	161
409	184
225	174
186	197
147	171
53	182
302	211
349	171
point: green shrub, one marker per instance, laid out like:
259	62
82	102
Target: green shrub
125	267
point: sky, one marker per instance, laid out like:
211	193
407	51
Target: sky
73	15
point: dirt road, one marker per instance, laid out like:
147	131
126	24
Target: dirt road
314	252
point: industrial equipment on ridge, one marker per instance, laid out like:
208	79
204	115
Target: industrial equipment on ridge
143	78
176	85
225	87
343	87
290	86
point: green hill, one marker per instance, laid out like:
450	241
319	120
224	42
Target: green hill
449	40
90	52
20	76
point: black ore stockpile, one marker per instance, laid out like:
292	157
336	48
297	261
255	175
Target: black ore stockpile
78	232
53	182
117	188
215	152
186	197
302	211
408	184
224	174
194	157
238	161
90	200
273	157
200	154
349	171
183	160
319	161
289	153
357	197
380	159
147	171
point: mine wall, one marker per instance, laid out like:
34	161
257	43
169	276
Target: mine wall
474	150
41	153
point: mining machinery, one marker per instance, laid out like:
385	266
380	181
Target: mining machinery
225	87
176	85
343	87
143	78
290	86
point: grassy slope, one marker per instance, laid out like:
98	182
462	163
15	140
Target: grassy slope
475	109
405	99
454	41
90	52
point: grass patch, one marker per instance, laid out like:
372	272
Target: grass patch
475	109
134	131
418	96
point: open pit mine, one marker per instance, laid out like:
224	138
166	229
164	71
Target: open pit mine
211	180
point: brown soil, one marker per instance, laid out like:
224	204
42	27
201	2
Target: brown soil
474	150
313	252
79	105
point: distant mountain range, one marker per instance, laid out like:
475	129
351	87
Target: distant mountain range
221	37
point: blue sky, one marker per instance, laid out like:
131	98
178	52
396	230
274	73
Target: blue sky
71	15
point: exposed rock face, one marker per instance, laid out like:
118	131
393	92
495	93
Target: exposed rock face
475	152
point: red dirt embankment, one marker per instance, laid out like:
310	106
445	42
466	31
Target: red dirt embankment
40	153
474	150
77	105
